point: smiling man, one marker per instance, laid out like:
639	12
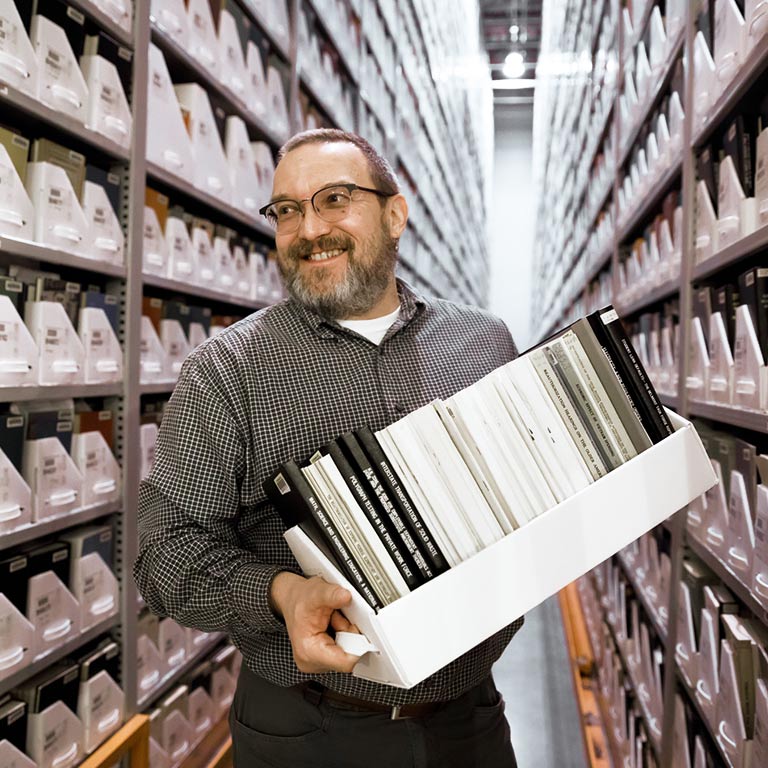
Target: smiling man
351	346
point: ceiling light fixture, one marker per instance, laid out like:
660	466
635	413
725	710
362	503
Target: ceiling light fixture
514	65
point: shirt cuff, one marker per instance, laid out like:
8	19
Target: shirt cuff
250	595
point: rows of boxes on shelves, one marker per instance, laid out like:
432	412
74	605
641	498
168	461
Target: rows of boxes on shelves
58	57
53	591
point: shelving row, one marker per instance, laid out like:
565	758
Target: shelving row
148	205
682	266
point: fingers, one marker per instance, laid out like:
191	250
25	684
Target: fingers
320	654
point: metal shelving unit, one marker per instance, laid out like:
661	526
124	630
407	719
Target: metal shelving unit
105	21
34	252
59	392
648	608
755	65
200	291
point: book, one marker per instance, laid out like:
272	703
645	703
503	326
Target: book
568	412
596	388
297	504
17	147
63	292
108	181
378	494
355	530
753	291
399	497
108	302
73	163
607	327
381	524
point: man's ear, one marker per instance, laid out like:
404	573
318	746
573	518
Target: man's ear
396	215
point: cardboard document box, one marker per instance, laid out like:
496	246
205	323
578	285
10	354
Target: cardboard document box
264	165
246	189
16	212
54	479
277	105
170	16
107	112
18	63
53	611
175	344
61	354
211	173
15	494
19	354
225	262
98	466
241	269
181	265
100	700
416	635
168	142
172	644
234	73
103	356
154	359
147	441
120	11
257	98
59	220
154	246
17	639
105	240
203	44
61	85
201	712
205	262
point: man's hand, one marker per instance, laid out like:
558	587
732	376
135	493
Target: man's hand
308	607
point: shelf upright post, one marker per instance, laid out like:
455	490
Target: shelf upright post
133	215
677	526
616	149
294	103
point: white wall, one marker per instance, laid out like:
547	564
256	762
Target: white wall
512	221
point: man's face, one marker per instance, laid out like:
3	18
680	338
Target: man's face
338	269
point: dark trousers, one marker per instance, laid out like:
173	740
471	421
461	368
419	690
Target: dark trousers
274	727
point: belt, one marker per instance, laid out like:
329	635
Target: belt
314	692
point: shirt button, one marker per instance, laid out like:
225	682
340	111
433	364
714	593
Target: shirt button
400	408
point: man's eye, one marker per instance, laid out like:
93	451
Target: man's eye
286	209
335	198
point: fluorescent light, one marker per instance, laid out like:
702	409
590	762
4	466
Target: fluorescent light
514	65
517	84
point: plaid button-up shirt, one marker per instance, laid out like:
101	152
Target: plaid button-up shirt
276	386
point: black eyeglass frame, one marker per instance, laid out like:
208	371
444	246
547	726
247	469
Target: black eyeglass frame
349	186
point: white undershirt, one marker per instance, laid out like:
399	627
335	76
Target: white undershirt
373	330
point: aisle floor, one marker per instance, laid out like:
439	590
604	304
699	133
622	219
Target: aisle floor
535	679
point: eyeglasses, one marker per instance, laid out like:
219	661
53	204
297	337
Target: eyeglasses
330	203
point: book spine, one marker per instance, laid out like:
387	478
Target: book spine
591	419
296	504
618	364
377	521
365	471
359	551
411	517
567	412
603	403
613	324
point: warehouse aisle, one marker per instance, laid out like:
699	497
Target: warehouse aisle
535	679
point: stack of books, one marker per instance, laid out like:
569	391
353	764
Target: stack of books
396	508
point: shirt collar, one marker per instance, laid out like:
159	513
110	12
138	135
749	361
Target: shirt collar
411	304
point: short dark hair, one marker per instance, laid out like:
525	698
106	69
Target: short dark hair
381	171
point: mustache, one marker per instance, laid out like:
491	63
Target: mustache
302	248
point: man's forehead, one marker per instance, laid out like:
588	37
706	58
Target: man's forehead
310	166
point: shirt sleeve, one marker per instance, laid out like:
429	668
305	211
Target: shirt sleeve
190	566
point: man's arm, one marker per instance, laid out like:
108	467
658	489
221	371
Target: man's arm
190	566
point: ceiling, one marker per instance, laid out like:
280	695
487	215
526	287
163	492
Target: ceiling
496	19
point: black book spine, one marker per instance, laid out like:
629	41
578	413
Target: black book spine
296	504
379	523
761	303
362	466
647	399
391	481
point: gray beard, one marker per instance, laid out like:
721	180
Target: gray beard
362	286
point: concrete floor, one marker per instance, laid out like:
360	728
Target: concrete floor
535	679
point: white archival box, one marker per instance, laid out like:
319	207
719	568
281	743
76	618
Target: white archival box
203	44
108	112
55	737
16	211
201	712
168	142
246	191
98	466
277	105
154	360
103	355
96	589
181	264
15	502
105	240
53	611
61	353
225	274
154	248
235	73
59	219
18	64
171	17
11	757
58	490
149	666
420	633
256	94
121	11
16	640
61	84
210	172
18	351
147	442
100	707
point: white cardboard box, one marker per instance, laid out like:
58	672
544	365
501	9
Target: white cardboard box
422	632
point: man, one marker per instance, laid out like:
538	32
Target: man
351	346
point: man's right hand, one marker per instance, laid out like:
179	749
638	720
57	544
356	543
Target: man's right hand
309	607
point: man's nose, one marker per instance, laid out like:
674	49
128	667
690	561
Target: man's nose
311	225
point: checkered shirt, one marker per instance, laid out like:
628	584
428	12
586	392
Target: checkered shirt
275	386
